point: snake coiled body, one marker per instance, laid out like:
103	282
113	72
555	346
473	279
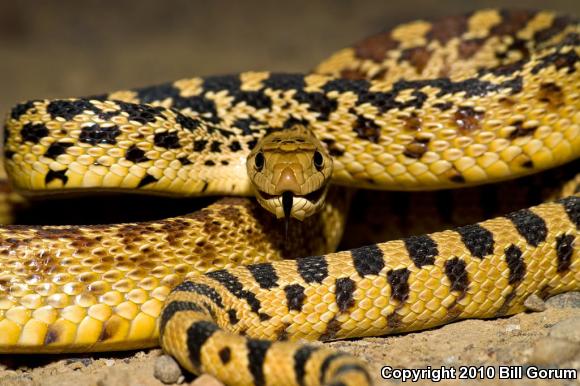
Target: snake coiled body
464	101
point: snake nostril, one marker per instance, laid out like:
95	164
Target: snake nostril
259	161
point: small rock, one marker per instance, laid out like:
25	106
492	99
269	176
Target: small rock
512	327
567	329
206	380
565	300
535	303
167	370
552	351
109	362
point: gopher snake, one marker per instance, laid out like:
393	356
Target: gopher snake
466	100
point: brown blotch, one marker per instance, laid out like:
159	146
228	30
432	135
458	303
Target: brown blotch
375	47
332	328
417	148
353	74
506	304
418	57
367	129
394	321
230	213
447	28
529	164
56	233
521	131
468	48
52	335
552	94
507	101
468	119
512	22
109	329
282	332
412	123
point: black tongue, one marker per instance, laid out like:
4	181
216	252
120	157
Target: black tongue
287	203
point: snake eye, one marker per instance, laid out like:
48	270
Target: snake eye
318	160
259	161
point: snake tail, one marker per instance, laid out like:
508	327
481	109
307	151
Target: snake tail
217	323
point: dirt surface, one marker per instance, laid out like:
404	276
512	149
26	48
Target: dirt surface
526	340
71	48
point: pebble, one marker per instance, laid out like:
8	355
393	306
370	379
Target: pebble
512	327
568	329
206	380
565	300
553	351
167	370
535	303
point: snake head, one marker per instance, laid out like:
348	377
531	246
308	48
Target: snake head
290	170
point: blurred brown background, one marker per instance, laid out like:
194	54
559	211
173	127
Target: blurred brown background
73	48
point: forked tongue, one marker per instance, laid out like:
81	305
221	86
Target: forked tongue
287	198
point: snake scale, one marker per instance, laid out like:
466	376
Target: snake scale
465	100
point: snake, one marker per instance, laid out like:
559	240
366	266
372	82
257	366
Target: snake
465	100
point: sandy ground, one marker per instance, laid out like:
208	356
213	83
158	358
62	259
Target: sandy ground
548	339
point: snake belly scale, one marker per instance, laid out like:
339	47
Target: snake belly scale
428	105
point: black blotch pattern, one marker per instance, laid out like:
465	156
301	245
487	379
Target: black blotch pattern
559	60
399	281
57	148
215	147
477	239
136	155
516	264
230	83
233	317
68	109
56	175
184	161
197	334
209	163
257	350
344	293
326	365
572	207
21	109
301	357
33	132
317	102
225	355
368	260
312	269
157	93
167	140
232	284
95	134
141	113
264	274
235	146
352	367
294	296
148	179
422	250
174	307
531	226
285	82
187	123
245	125
564	251
199	145
205	107
203	290
457	275
256	99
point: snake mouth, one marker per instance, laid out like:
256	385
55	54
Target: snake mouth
290	205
